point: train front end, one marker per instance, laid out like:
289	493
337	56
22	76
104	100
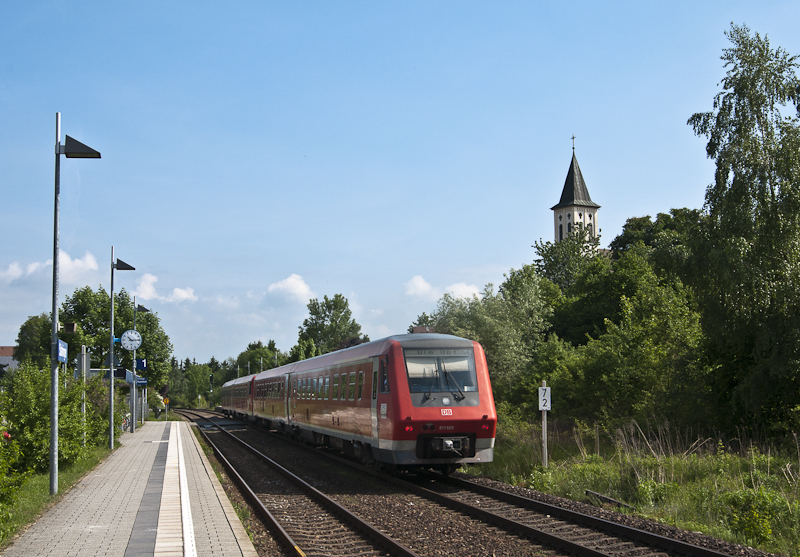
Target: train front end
445	414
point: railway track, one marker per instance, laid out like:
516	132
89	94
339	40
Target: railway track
562	530
304	520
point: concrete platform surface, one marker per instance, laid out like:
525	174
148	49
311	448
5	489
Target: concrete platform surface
155	495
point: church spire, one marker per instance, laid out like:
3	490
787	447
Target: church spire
575	191
576	206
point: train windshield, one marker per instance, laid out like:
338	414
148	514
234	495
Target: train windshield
441	371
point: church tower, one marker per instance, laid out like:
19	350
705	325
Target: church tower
576	207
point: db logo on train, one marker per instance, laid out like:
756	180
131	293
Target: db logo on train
447	411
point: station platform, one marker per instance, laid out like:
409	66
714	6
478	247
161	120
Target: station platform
155	495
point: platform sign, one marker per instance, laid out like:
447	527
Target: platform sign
141	363
62	351
141	381
544	399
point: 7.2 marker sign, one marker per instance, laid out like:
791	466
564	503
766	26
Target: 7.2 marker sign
544	399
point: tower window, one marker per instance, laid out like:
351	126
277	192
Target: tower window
560	232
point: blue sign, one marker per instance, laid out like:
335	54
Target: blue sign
141	381
141	363
62	351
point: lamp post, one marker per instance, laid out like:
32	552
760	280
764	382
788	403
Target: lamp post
143	310
121	266
70	149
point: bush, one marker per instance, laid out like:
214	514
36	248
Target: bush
25	405
11	478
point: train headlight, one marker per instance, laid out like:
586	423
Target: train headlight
409	428
485	427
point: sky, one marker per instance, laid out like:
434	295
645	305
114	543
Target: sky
259	154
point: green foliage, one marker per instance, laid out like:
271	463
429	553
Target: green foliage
198	384
562	262
11	478
91	311
746	256
330	325
33	341
258	357
25	405
696	483
750	513
508	324
304	349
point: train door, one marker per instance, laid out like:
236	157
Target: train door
379	370
291	398
287	396
251	405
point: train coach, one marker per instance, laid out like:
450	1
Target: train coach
417	400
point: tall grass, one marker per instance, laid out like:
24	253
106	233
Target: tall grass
741	489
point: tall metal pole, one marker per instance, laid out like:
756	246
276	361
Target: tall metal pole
84	368
133	421
111	364
54	336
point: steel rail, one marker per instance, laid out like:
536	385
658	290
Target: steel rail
282	535
364	527
630	533
655	540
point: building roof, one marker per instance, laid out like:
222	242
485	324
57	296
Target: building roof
575	192
7	351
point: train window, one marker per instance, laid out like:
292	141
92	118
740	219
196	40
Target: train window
360	384
321	388
351	393
441	370
313	387
327	384
384	371
335	394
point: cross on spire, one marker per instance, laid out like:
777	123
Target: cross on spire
573	142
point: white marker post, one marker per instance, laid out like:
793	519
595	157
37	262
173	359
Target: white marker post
544	406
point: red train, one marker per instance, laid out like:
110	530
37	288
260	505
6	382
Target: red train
421	400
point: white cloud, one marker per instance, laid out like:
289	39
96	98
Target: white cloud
182	295
227	302
463	290
145	287
33	267
418	287
146	290
293	286
74	271
70	271
13	273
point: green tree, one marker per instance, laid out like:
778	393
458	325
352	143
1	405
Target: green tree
33	341
330	324
258	357
561	262
303	350
509	324
747	255
198	383
90	311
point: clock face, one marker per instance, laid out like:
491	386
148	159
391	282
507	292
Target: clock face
131	340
